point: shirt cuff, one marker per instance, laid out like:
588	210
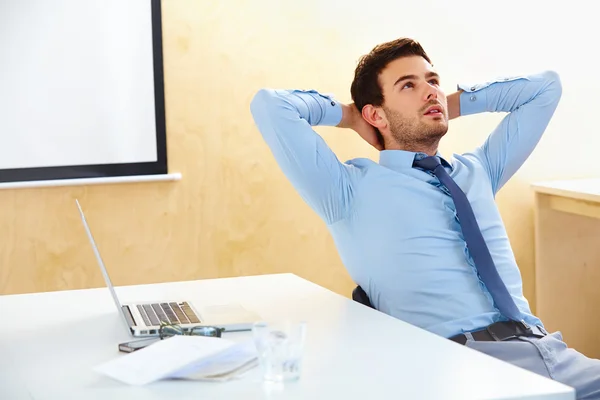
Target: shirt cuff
333	113
473	99
323	109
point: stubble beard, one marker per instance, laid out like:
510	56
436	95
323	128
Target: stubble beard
415	134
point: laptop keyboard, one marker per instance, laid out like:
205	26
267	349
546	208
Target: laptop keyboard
174	313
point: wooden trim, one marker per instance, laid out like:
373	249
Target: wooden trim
573	206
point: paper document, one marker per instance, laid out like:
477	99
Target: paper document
183	357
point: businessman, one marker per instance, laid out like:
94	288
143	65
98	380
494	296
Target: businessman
419	231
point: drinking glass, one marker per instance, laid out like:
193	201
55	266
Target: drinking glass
280	346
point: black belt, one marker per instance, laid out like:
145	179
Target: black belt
501	331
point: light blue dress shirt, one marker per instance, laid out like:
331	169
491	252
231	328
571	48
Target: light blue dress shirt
395	226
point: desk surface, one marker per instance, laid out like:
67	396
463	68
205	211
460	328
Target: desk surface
582	189
49	343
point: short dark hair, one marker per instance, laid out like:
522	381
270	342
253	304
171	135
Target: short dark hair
365	87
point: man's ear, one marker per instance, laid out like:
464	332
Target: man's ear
374	116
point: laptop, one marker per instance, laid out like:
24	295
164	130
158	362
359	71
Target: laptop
143	319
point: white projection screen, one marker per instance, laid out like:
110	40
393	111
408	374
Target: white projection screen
81	89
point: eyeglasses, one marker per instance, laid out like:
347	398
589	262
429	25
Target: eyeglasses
168	330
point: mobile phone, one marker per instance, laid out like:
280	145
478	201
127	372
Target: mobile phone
130	347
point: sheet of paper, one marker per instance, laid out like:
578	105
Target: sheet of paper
227	364
179	357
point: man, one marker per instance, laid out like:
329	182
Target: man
421	233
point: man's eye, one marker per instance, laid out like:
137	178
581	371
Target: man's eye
408	85
434	81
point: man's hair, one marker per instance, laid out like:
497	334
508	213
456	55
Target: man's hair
365	87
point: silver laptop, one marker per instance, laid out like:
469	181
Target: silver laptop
143	319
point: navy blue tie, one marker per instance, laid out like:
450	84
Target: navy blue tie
475	242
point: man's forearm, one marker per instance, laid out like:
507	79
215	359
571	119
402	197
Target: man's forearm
511	93
349	114
454	105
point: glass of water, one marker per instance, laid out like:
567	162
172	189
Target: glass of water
280	346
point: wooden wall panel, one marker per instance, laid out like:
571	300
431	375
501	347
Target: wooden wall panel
233	213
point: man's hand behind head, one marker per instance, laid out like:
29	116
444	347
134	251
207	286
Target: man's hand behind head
352	118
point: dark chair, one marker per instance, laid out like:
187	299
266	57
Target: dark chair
359	295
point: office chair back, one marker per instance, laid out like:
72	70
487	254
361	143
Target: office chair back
359	295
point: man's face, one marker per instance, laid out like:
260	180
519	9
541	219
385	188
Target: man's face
414	104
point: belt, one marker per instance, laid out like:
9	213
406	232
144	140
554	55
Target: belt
501	331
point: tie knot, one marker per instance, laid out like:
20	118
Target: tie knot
428	163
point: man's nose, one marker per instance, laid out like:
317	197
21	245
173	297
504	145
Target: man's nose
430	93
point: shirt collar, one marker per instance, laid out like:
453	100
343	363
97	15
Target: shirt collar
399	159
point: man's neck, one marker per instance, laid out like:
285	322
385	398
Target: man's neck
429	149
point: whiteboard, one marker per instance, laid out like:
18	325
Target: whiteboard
82	93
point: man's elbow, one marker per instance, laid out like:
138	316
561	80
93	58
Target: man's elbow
553	85
262	101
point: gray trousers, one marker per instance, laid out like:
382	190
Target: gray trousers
549	357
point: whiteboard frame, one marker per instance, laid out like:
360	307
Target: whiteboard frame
102	172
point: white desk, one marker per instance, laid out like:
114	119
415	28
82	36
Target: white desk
49	343
567	260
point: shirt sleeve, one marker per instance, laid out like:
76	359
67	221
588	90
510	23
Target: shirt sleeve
530	102
285	119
